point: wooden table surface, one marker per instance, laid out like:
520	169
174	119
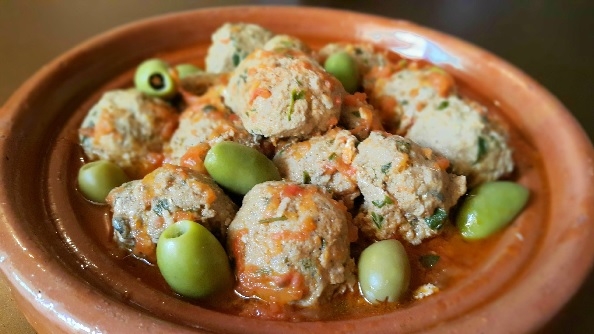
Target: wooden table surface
551	40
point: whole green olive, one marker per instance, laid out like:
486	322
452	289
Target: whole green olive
184	70
152	77
192	260
238	168
345	69
384	271
490	207
98	178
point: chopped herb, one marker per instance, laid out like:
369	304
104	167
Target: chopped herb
295	95
386	167
378	220
236	59
264	271
323	241
208	108
120	224
444	104
435	221
298	82
160	206
387	200
243	77
483	146
429	261
307	264
356	114
298	95
402	63
403	146
358	51
403	102
274	219
332	156
306	177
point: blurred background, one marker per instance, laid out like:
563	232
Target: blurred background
551	40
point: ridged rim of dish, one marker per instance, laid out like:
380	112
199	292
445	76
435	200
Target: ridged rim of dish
542	281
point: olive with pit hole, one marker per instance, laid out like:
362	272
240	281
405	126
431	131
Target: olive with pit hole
490	207
238	168
384	271
192	260
96	179
153	78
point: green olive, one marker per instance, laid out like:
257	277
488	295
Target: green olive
490	207
238	168
152	77
98	178
384	271
345	69
184	70
192	260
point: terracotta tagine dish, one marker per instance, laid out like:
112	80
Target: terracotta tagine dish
299	256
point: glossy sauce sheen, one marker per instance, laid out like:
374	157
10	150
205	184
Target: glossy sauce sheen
460	261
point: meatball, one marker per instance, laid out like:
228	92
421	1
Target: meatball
401	93
205	122
290	243
364	55
142	209
407	191
279	42
359	116
128	128
231	43
284	93
324	161
460	131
